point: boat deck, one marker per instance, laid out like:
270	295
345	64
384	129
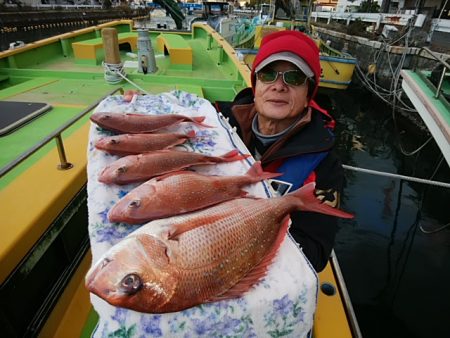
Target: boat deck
70	85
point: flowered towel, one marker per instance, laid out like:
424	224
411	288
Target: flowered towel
282	304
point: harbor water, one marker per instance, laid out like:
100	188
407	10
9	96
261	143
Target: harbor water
395	254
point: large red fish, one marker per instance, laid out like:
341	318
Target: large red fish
132	144
137	168
181	192
141	123
217	253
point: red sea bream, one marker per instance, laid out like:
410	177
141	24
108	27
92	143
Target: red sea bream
141	123
214	254
133	144
181	192
138	168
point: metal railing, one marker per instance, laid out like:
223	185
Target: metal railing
64	164
444	69
350	312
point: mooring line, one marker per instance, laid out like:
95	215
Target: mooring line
401	177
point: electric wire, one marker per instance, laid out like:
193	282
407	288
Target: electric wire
393	93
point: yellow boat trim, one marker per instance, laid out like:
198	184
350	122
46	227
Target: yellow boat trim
180	52
58	38
90	49
25	201
330	318
72	310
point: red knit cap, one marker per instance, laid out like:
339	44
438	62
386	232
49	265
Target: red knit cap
294	42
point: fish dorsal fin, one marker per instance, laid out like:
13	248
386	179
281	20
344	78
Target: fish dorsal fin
155	249
135	114
259	271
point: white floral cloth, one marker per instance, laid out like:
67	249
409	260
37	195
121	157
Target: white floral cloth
281	305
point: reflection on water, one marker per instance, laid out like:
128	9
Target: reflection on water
396	267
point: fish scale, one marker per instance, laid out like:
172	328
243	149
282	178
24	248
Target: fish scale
246	224
213	254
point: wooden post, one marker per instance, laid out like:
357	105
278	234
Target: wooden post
111	45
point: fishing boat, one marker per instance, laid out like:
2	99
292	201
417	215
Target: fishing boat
48	89
337	66
429	92
238	30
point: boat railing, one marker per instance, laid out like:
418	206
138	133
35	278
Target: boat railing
57	135
353	321
330	51
445	68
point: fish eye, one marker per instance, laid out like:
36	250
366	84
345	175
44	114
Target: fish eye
122	170
131	283
114	141
134	204
106	116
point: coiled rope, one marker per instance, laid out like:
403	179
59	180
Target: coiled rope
114	73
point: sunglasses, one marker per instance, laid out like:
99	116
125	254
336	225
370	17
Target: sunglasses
290	77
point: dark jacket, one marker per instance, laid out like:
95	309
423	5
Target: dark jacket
314	232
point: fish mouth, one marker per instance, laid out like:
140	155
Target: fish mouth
93	273
114	217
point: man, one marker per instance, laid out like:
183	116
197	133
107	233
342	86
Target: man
288	132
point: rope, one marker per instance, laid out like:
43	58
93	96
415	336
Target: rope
114	74
425	231
402	177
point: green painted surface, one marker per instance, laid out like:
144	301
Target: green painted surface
174	41
90	325
50	74
441	104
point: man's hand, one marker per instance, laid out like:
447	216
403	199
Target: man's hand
329	197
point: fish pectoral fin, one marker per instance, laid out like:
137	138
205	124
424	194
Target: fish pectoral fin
245	284
155	249
175	230
134	114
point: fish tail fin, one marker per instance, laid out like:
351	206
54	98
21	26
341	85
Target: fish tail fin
232	156
199	120
191	134
128	95
306	200
256	172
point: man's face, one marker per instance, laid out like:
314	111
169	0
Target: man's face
277	100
